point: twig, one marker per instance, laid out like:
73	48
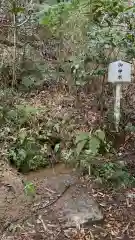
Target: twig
49	190
91	235
55	200
43	224
35	210
126	228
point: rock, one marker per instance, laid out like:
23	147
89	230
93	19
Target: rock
58	182
77	207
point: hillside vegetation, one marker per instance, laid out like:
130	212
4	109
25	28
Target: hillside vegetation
56	104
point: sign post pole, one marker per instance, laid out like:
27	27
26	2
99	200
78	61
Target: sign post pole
119	73
117	106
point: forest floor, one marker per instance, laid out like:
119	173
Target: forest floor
33	218
36	217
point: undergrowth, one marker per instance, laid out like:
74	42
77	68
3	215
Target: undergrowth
33	139
93	155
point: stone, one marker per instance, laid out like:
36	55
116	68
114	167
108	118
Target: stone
77	207
57	183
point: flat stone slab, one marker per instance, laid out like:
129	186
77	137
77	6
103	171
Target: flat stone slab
77	207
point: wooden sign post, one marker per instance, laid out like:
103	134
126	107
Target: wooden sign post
119	73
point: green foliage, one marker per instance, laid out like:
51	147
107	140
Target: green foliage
87	31
68	157
81	137
22	115
56	14
29	189
27	153
92	30
33	140
59	13
88	154
110	7
114	174
93	143
30	145
34	146
87	147
34	74
17	10
86	151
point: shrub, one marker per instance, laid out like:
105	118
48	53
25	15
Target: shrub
27	153
88	154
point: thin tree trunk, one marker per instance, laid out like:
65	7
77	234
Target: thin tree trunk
14	52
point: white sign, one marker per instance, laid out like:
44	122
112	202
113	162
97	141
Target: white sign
119	72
